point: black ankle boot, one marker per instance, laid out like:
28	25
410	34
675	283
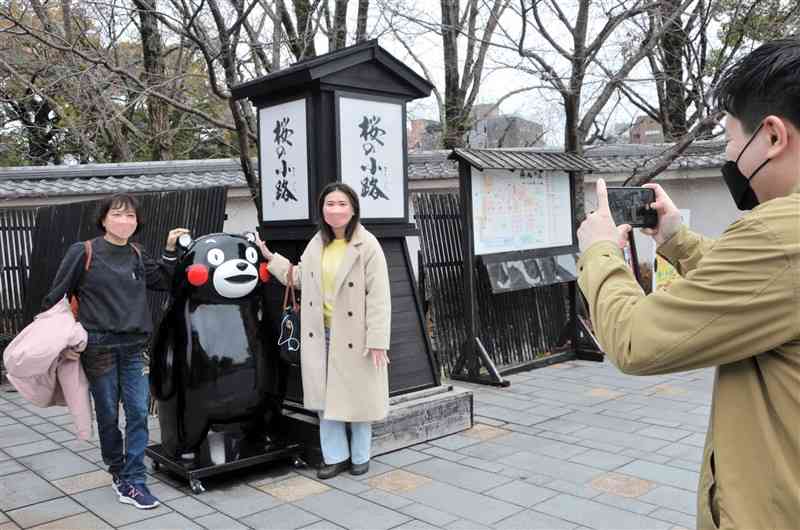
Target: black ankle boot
327	471
359	469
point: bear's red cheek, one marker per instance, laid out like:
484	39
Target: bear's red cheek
197	275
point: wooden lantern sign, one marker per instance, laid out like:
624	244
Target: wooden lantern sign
341	117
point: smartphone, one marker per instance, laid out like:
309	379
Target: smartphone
631	205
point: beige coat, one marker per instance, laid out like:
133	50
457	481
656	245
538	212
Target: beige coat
737	307
347	387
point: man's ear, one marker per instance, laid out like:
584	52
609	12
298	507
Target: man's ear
778	133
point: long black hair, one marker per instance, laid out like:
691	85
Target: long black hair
324	228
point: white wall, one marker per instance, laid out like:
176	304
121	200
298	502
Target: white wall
711	206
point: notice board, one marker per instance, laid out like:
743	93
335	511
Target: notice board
515	210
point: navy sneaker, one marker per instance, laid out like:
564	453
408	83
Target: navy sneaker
116	484
138	495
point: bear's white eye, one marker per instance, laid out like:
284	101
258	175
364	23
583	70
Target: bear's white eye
215	257
251	254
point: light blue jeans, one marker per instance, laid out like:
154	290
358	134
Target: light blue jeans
333	435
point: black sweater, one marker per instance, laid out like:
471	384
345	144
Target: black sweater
113	292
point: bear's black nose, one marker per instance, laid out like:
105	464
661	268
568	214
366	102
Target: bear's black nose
241	266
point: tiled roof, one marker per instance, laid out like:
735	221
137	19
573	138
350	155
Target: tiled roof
92	179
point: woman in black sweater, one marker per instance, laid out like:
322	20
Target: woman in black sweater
113	309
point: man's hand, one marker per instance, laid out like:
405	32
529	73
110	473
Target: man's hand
173	236
669	218
379	357
599	225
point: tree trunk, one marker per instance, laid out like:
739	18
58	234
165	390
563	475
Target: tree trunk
153	54
340	24
454	119
673	43
361	21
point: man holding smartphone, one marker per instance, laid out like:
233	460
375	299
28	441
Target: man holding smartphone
737	305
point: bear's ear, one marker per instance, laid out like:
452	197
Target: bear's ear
184	241
250	236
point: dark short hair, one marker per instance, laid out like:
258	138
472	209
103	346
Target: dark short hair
765	82
324	228
115	202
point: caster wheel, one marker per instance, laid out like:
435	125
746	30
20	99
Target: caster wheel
197	486
298	463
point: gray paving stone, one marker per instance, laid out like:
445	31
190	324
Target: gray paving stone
375	468
533	520
57	464
165	492
428	515
539	445
683	451
524	429
32	420
384	498
18	434
48	412
672	498
596	515
92	455
620	439
104	503
483	465
9	467
190	507
3	456
170	521
566	438
285	517
509	416
350	511
3	517
61	436
445	454
78	445
458	475
44	512
544	465
502	400
683	464
489	421
219	521
489	451
5	421
664	433
22	489
521	493
43	446
672	516
322	525
465	524
46	428
561	426
402	458
604	422
626	503
601	459
462	503
415	524
570	488
239	500
646	456
454	442
662	474
82	521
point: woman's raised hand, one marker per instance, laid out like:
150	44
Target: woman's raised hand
264	250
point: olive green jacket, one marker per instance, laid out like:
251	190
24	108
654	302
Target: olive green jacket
736	307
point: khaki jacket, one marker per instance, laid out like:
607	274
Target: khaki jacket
346	386
736	307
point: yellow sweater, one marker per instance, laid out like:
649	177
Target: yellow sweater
331	259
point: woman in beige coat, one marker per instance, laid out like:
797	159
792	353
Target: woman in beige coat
346	319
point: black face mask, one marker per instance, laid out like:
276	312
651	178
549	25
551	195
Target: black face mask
739	185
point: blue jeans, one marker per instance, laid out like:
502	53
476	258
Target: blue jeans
334	444
333	435
127	379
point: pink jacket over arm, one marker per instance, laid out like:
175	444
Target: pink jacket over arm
36	368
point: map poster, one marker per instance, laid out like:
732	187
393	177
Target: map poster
520	210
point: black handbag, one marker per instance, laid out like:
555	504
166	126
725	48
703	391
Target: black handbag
289	339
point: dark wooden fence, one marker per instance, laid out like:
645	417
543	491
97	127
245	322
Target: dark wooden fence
515	327
33	241
17	226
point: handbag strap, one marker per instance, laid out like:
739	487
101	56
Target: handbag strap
290	288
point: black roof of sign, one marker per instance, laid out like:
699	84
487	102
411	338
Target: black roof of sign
521	159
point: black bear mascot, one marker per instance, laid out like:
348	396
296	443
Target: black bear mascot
208	364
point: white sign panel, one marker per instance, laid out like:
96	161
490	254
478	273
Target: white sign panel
520	210
371	139
283	156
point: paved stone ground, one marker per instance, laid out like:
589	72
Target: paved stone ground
571	446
